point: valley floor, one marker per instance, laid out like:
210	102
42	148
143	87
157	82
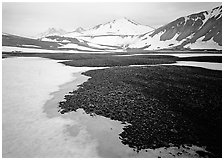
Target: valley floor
164	106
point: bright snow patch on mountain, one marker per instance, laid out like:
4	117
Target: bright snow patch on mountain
199	44
28	45
100	46
121	26
112	40
72	34
75	46
216	12
48	40
154	43
65	40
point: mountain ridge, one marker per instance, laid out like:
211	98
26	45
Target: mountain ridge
185	31
121	26
50	32
202	30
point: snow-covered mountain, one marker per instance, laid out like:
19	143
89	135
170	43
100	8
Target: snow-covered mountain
118	33
196	31
79	30
76	33
201	30
121	26
51	32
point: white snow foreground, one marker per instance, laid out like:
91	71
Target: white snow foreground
35	50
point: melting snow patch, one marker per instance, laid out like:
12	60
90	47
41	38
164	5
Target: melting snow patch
31	46
75	46
34	50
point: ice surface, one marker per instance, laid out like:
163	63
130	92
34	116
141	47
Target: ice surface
26	130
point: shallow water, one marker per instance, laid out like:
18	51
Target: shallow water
26	129
32	126
174	54
206	65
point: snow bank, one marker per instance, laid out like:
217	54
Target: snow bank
26	129
112	40
34	50
199	44
28	45
48	40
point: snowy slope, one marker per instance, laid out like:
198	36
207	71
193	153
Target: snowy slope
82	42
118	33
111	40
197	31
52	44
121	26
51	32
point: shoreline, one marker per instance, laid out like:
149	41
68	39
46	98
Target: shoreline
50	105
28	132
66	88
100	111
95	128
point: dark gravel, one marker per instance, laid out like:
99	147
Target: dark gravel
165	105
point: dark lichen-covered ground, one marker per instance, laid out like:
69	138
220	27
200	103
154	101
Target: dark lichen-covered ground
164	105
111	59
215	59
102	60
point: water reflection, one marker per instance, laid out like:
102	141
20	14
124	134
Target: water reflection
207	65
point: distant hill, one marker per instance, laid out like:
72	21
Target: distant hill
51	32
198	31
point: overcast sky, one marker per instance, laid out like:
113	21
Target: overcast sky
29	19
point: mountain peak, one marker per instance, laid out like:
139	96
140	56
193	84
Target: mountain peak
51	31
79	29
125	20
121	26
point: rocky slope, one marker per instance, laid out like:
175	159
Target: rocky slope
196	31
